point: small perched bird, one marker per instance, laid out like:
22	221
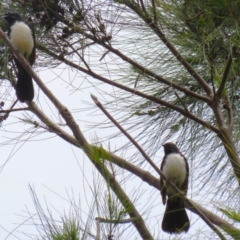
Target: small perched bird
175	168
21	35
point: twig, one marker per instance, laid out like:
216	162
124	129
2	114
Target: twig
122	221
103	56
136	82
213	86
226	72
154	12
143	7
230	114
98	229
180	101
14	110
7	112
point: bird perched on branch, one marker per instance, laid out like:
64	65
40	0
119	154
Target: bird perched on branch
175	168
21	35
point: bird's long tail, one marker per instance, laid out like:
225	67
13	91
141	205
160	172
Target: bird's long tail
175	218
24	87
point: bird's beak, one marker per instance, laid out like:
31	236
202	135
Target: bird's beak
6	15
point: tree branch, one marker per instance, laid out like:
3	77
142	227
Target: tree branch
143	7
230	115
122	221
226	72
14	110
154	11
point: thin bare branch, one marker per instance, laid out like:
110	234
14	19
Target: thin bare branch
143	7
226	72
154	11
103	56
230	115
15	110
7	112
181	101
122	221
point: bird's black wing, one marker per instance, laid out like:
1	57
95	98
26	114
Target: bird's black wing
162	186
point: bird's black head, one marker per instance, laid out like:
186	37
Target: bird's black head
170	148
12	17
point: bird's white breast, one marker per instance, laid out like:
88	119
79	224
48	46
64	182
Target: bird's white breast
21	38
174	169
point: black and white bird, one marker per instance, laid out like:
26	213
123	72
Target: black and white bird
21	35
175	168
